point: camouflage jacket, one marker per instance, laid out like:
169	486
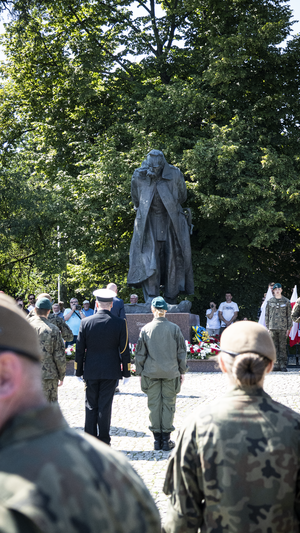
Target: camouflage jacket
278	314
53	480
161	350
236	468
52	347
63	327
296	311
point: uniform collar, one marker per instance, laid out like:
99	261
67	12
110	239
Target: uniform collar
247	391
31	424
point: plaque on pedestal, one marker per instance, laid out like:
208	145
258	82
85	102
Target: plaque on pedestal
184	320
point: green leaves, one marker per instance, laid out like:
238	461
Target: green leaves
88	88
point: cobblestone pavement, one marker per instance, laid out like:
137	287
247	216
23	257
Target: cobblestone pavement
129	428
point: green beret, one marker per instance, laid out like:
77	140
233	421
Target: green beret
159	303
43	303
277	286
12	320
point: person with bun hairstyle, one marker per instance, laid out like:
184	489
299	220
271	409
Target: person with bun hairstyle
236	464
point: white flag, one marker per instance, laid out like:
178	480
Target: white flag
295	326
262	317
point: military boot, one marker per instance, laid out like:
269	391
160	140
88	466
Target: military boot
157	441
167	444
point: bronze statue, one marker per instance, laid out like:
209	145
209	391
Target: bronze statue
160	251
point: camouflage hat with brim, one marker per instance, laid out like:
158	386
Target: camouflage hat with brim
16	333
159	303
247	337
277	286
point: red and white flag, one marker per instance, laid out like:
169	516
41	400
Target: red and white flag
294	333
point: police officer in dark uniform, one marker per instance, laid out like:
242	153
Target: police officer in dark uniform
102	344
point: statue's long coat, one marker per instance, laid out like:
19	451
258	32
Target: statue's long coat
172	191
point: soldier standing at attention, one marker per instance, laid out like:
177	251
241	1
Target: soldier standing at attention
161	361
52	349
101	348
53	479
279	322
236	465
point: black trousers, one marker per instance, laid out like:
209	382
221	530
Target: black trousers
98	403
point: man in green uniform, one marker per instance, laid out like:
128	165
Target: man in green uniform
53	479
63	327
161	361
279	322
52	348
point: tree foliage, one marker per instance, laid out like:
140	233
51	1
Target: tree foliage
89	87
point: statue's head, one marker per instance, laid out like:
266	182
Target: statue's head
156	159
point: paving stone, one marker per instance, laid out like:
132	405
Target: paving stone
129	427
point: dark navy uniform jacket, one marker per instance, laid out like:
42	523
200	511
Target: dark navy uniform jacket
102	343
118	308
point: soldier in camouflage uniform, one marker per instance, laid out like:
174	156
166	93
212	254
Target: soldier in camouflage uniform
53	479
279	322
53	350
236	465
66	332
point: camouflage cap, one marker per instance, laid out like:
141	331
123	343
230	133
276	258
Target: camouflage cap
247	337
12	320
159	303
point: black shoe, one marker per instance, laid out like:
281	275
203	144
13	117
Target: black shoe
167	444
157	441
283	369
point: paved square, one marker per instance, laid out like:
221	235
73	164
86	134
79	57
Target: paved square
129	428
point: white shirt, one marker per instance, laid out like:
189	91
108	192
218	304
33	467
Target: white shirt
214	322
228	310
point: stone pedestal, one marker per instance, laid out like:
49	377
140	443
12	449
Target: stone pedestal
184	320
204	365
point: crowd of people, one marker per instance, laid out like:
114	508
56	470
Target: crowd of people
235	465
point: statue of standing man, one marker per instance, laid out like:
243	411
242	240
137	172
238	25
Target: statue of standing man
160	250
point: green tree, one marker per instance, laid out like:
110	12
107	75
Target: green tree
223	106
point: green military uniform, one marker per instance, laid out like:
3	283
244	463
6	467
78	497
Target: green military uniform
160	359
236	468
278	321
53	355
63	327
53	480
296	311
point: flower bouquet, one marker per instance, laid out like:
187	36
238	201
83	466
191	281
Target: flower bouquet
205	348
70	352
132	349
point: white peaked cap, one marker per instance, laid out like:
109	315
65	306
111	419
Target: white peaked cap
104	295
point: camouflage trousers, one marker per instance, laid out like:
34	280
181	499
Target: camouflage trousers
161	402
279	339
50	389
